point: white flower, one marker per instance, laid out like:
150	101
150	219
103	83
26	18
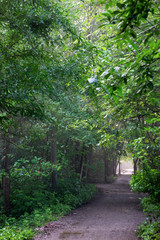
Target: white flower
104	73
116	69
92	79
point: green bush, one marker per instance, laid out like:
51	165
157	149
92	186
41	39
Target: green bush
11	233
29	190
147	181
42	207
151	208
29	186
149	231
33	202
23	227
74	193
71	185
22	202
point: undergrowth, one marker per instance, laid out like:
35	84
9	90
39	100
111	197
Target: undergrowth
148	181
69	195
150	228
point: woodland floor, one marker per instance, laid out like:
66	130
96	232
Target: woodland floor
113	215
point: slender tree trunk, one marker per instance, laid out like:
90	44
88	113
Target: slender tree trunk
106	165
89	160
7	179
114	166
119	164
109	165
135	165
53	159
77	157
82	166
47	150
82	162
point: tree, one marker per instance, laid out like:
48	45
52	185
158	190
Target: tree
129	82
30	31
133	78
26	38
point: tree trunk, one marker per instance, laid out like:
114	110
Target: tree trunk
106	165
89	160
82	166
53	159
77	157
119	164
6	185
135	165
109	164
82	162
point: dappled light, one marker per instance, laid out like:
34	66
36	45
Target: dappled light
79	119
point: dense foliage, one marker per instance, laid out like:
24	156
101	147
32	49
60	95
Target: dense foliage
77	78
132	80
43	206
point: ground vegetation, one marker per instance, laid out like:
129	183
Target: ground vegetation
77	78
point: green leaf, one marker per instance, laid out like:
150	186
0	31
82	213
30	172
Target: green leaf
147	38
133	34
102	25
120	5
150	85
107	15
130	41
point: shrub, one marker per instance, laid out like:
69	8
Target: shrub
42	207
147	181
149	231
22	202
74	193
151	208
145	150
11	233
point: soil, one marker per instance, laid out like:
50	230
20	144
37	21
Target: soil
113	214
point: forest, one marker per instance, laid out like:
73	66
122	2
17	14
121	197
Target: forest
79	89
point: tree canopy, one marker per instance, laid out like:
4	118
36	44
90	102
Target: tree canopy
78	78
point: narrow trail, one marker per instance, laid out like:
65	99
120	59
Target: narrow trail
112	215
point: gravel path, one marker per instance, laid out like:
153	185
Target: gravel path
112	215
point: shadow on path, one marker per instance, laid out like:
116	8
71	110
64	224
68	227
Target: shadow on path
112	215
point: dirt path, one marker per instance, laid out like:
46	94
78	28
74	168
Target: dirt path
112	215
